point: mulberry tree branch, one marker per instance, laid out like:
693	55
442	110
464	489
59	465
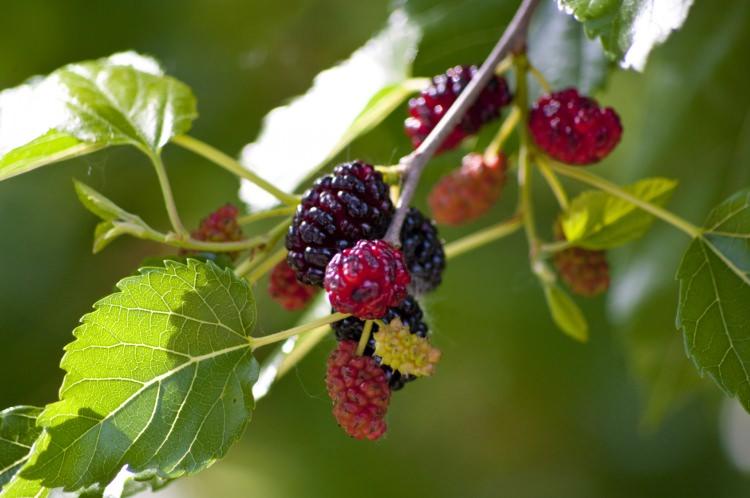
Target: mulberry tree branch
512	40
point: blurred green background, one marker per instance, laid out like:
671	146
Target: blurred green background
516	408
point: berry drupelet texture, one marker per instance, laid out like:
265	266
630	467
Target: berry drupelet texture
584	271
423	252
219	226
573	128
410	314
286	290
359	390
426	110
405	352
367	279
350	205
469	192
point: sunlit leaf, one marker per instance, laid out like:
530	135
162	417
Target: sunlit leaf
161	370
714	294
81	107
18	431
19	487
629	30
300	137
51	147
598	220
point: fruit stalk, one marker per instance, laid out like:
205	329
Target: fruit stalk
219	158
166	189
512	40
257	342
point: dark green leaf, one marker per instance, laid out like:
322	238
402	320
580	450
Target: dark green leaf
629	29
553	33
161	370
714	310
695	74
597	220
18	431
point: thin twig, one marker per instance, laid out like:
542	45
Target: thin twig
554	184
482	237
228	163
512	40
257	342
166	189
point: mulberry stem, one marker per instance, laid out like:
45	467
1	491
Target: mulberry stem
554	184
365	337
512	40
539	77
255	260
265	266
257	342
482	237
219	158
262	215
609	187
503	133
166	189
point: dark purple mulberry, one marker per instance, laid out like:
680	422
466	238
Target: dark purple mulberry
423	251
350	205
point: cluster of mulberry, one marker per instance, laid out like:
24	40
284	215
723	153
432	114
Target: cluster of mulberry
335	241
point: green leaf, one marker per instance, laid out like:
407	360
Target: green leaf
713	311
629	29
116	222
552	32
159	379
657	358
82	107
18	431
124	99
222	260
50	148
340	94
663	137
145	482
598	220
19	487
98	204
566	313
